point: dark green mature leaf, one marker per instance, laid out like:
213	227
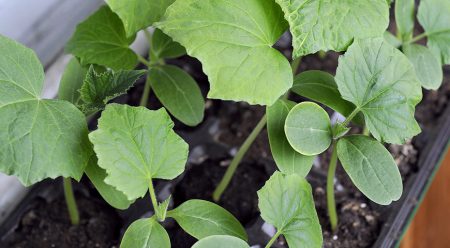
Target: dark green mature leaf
178	92
220	241
404	17
71	82
233	39
434	16
145	233
98	89
427	66
320	86
333	24
101	39
112	196
381	82
287	159
164	47
286	202
308	128
202	219
371	168
41	138
138	14
135	145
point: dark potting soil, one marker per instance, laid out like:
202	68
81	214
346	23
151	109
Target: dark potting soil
47	224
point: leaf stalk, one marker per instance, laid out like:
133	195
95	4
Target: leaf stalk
331	202
70	201
273	239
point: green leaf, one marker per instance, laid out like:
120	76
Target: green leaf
287	159
392	39
404	17
98	89
71	82
233	39
332	24
164	47
434	16
381	82
101	39
178	92
145	233
286	202
162	208
339	130
138	14
427	66
112	196
41	138
321	87
135	145
308	128
220	241
371	168
202	219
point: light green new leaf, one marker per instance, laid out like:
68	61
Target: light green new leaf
371	168
339	130
138	14
321	87
308	128
111	195
286	202
41	138
233	39
333	24
71	82
98	89
164	47
178	92
135	145
202	219
145	233
287	159
404	17
434	16
101	39
383	85
427	66
220	241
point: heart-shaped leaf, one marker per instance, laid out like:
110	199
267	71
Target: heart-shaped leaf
434	16
382	83
233	39
371	168
138	14
221	241
286	202
101	39
145	233
178	92
333	24
287	159
41	138
135	145
308	128
427	66
202	219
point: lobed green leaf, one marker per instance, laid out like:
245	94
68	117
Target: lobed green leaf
233	39
371	168
138	144
382	83
286	202
145	233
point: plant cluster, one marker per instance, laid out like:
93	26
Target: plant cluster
377	86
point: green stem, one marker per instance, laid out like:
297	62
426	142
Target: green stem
237	159
366	131
143	60
151	189
70	201
273	239
417	38
146	93
351	116
331	203
295	65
